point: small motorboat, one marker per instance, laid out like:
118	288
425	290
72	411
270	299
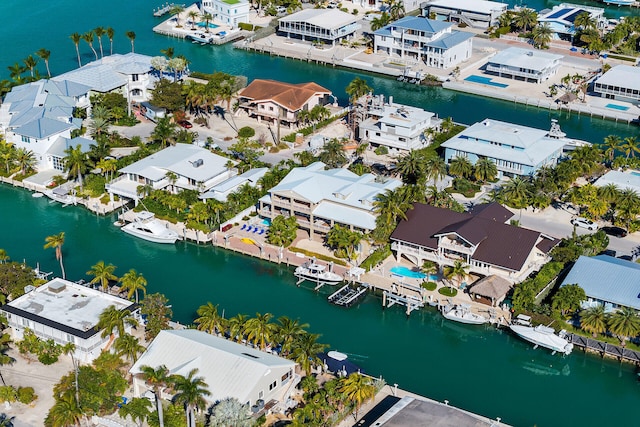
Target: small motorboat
37	195
543	336
318	273
462	313
147	227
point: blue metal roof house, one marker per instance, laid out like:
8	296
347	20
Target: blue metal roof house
609	281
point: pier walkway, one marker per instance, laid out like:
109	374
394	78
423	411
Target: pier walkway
604	349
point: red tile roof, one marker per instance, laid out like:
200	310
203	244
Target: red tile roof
288	95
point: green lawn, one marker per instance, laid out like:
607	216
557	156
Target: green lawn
231	1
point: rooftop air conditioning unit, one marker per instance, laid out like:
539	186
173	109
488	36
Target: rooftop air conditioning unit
197	163
57	287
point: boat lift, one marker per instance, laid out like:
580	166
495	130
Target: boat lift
346	295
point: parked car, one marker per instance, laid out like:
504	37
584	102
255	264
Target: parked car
185	124
584	223
281	9
615	231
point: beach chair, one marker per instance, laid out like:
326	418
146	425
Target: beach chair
255	229
261	231
249	229
244	227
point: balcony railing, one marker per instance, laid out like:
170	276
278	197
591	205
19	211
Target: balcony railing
448	244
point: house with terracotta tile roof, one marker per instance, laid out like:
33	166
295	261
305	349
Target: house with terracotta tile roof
272	100
480	238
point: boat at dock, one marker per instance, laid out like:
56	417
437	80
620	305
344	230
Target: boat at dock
462	313
146	226
543	336
314	272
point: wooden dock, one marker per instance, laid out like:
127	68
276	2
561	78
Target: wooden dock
162	10
604	349
346	296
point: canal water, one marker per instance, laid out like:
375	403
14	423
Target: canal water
479	369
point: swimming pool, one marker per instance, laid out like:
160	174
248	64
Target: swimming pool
266	222
635	173
484	80
407	272
204	24
617	107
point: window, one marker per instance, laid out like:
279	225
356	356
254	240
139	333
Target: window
134	77
26	139
260	394
272	385
285	376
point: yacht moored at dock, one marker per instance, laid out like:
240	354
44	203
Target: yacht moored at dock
314	272
543	336
146	226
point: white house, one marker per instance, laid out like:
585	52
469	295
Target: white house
326	25
397	126
176	168
475	13
65	312
422	39
320	198
228	368
227	12
516	150
623	180
39	136
528	65
221	191
621	82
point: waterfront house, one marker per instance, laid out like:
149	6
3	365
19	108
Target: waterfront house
176	168
221	191
475	13
621	82
65	312
272	100
479	238
39	136
421	39
130	74
228	368
611	282
396	126
516	150
527	65
328	26
562	17
320	199
227	12
623	180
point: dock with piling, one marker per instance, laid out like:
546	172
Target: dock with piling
347	295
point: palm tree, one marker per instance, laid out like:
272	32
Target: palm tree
624	323
168	52
15	72
357	388
332	154
542	36
3	256
30	62
133	282
630	146
129	347
612	143
380	21
459	270
287	332
230	412
176	10
525	18
110	34
460	166
56	241
76	162
99	32
609	193
356	89
193	15
435	169
594	320
45	54
75	38
412	167
137	409
111	319
190	392
26	160
260	330
210	320
88	37
305	351
516	192
390	205
207	17
158	379
131	35
236	326
5	359
102	273
65	412
396	10
584	20
485	169
6	420
164	131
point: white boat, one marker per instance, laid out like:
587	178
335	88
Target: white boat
543	336
318	273
336	355
462	313
147	227
37	195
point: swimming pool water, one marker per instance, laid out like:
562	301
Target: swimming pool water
407	272
484	80
635	173
617	107
204	24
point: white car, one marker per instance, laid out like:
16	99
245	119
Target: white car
584	223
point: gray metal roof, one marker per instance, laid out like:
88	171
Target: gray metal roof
42	128
621	76
607	279
331	19
449	40
525	58
61	144
629	179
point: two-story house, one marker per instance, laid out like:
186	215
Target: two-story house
326	25
528	65
227	12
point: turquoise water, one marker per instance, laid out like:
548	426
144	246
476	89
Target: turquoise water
203	24
480	369
617	107
407	272
485	80
635	173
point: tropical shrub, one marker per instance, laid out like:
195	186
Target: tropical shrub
26	395
379	255
246	132
381	150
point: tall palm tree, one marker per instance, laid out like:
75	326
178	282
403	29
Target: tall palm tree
459	270
287	331
584	20
111	319
305	351
75	38
210	320
542	35
131	35
356	89
435	168
412	167
110	33
193	15
15	72
132	281
357	388
594	320
30	62
624	323
77	162
26	160
525	18
129	347
485	169
157	378
176	10
460	166
609	193
380	21
65	412
102	273
56	241
516	192
45	54
190	392
236	326
168	52
612	143
99	32
207	17
260	330
88	37
332	154
630	146
396	9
